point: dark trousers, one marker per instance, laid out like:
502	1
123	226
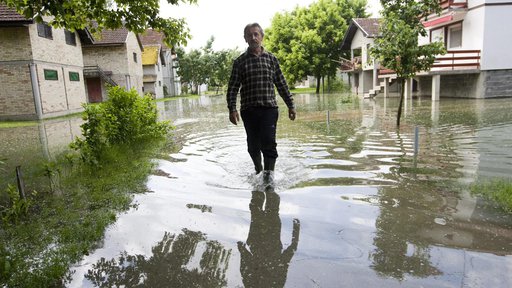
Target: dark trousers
260	126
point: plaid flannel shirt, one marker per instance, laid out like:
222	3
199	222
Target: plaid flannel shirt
257	75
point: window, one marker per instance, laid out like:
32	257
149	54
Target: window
70	37
160	83
51	74
437	35
135	57
368	55
74	76
455	36
44	30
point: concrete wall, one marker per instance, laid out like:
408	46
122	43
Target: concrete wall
497	83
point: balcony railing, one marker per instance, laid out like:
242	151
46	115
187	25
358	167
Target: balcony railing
452	60
458	59
445	4
96	71
351	65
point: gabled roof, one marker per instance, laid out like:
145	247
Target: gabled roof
152	37
150	55
110	37
368	26
9	16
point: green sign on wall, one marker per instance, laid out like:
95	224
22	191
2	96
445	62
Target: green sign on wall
74	76
51	74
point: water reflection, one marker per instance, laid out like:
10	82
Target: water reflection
185	260
263	262
368	215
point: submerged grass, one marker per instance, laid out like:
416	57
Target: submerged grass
68	220
498	190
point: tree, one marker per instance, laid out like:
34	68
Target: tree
223	63
308	40
136	16
397	47
205	66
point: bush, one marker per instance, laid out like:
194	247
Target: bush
124	119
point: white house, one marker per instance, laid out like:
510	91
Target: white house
477	64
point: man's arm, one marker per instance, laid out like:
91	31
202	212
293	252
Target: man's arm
233	88
283	90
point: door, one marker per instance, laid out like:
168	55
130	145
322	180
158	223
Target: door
94	90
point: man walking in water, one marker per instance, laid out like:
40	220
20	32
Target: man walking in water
254	74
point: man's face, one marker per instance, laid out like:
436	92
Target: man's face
253	37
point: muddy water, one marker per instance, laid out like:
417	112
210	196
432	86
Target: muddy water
354	203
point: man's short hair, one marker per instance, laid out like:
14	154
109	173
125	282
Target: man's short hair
252	25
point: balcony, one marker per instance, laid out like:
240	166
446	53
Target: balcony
457	60
453	4
454	60
353	65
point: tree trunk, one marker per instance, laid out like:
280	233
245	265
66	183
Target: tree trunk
399	114
317	85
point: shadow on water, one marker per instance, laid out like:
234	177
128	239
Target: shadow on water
370	214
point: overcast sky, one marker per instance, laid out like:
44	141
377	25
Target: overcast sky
226	19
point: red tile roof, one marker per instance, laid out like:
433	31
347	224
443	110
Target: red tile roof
152	37
369	26
8	14
108	36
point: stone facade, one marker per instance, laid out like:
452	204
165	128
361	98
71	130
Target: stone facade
16	97
24	57
480	84
123	61
134	51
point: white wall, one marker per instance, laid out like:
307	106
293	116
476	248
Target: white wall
497	37
473	27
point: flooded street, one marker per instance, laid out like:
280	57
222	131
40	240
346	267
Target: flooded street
354	202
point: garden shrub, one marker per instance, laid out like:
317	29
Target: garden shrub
125	119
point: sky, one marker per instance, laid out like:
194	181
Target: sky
226	19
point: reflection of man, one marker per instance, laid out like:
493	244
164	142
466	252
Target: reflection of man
265	263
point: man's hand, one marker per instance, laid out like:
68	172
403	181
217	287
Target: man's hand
234	117
292	114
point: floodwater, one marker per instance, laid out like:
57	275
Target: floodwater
355	202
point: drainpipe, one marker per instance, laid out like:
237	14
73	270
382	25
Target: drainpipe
35	91
65	88
375	73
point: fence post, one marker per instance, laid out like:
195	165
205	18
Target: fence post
19	181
